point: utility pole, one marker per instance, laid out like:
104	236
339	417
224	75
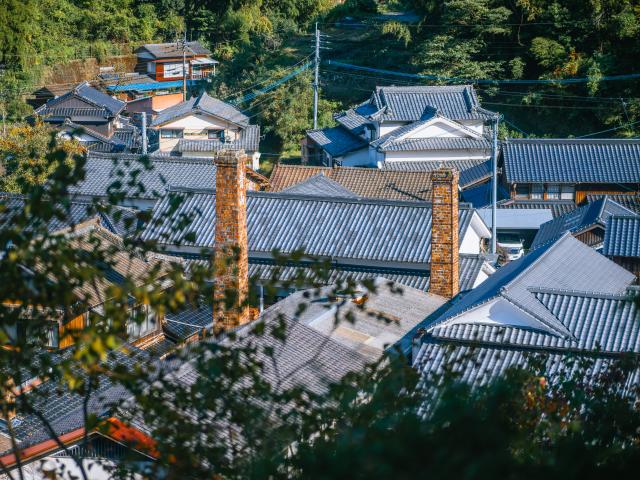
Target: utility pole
183	43
494	184
316	77
144	133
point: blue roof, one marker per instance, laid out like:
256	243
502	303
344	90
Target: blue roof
149	86
336	140
571	161
622	237
594	213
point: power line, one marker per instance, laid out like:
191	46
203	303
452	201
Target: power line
483	81
610	129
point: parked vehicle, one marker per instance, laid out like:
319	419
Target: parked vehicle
511	246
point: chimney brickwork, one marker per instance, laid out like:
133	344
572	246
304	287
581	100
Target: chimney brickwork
444	233
231	260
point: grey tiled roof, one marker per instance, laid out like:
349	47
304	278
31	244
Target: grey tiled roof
76	113
86	92
352	121
564	264
249	140
610	323
188	322
336	228
470	266
384	318
203	103
557	207
392	141
595	213
632	202
63	410
622	237
119	220
336	140
321	186
103	170
173	49
411	103
477	365
471	171
571	161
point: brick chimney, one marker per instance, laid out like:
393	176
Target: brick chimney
444	233
231	286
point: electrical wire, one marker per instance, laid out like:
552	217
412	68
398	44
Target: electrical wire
562	81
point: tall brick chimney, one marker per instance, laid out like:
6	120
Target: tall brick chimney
231	260
444	233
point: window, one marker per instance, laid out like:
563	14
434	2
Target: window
522	191
142	321
553	191
170	133
216	135
537	191
568	192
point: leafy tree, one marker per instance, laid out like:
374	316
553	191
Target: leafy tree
26	152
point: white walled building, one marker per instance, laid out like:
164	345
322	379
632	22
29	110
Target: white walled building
405	124
202	126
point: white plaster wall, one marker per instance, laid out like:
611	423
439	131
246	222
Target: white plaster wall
475	125
498	312
438	129
199	122
470	242
435	155
357	159
388	127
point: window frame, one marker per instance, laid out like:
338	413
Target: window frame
171	133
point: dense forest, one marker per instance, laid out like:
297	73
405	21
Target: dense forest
259	41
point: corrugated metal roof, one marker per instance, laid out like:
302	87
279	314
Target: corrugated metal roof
337	228
521	219
595	213
571	161
174	49
622	237
248	140
564	264
557	207
336	140
202	103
